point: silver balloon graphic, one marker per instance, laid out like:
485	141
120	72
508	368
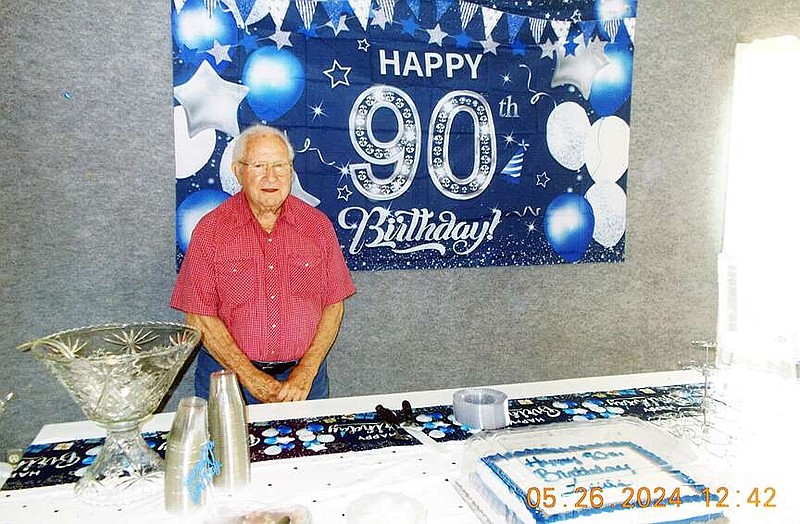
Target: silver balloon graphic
210	102
567	127
231	186
579	70
607	149
191	153
608	201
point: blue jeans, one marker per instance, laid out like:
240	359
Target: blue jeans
207	365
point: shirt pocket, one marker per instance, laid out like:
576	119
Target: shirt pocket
307	274
237	281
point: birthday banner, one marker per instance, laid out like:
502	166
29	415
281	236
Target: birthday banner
433	133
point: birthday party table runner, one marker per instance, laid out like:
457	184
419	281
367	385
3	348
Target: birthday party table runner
48	464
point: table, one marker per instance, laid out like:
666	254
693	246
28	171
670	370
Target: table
326	484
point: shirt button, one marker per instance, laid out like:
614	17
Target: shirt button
272	297
274	326
269	239
272	267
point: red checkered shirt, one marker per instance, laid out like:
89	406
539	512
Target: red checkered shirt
268	288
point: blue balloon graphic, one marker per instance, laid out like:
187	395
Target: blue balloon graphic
192	209
611	86
193	28
568	225
276	80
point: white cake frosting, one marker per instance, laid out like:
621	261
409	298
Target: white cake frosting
581	473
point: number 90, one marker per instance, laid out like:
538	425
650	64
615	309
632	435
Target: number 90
403	150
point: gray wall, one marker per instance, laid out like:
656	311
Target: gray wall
87	215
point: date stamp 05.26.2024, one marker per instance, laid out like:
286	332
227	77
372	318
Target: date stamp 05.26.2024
581	498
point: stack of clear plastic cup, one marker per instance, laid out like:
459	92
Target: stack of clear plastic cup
185	475
228	429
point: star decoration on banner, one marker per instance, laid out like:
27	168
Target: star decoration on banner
506	78
489	45
569	48
317	110
210	102
281	38
509	138
548	48
221	53
576	16
338	74
597	47
379	19
542	180
339	27
524	145
363	45
462	40
436	35
344	193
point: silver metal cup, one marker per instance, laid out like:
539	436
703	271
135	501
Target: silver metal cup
228	429
185	475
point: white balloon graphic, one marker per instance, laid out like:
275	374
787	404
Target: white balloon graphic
607	149
608	202
567	127
226	177
191	153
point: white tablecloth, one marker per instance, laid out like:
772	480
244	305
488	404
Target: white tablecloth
324	484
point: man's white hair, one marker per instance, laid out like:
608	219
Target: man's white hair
259	131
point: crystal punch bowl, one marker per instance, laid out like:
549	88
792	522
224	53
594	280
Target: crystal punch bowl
118	374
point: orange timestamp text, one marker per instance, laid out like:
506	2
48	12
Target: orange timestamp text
650	497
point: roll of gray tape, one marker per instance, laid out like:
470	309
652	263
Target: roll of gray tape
481	408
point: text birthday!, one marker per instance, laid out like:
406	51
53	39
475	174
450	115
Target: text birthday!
395	229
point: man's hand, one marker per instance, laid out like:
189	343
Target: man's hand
263	386
298	385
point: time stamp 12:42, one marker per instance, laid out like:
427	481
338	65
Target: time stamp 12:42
646	497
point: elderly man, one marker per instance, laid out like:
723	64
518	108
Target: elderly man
264	280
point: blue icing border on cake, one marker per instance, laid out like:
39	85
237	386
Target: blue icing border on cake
539	516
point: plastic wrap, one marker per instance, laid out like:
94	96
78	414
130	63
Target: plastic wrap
604	471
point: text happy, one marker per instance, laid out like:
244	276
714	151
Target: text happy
426	64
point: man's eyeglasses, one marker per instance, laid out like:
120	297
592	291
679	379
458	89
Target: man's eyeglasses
282	168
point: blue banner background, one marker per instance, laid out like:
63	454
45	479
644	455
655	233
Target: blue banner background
544	86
